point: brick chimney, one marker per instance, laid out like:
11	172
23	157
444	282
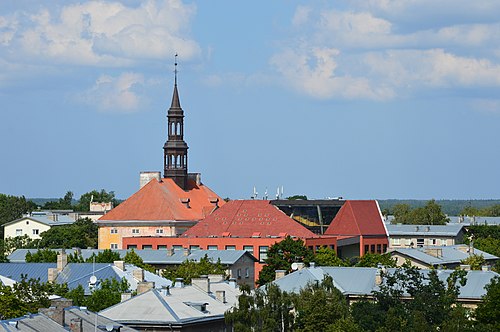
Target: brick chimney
279	274
62	260
56	310
221	296
144	286
75	325
202	283
120	265
138	274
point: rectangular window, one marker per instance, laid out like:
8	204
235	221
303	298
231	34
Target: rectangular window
132	246
113	231
248	248
212	247
194	247
367	248
434	241
177	247
332	246
420	242
396	242
135	230
379	248
114	245
372	247
385	248
36	231
230	247
161	247
247	272
147	246
263	253
238	273
159	231
19	232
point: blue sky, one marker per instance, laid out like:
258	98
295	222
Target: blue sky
360	99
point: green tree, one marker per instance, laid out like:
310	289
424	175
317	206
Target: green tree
65	203
105	256
488	312
430	214
131	257
374	260
297	197
96	196
476	262
19	242
190	269
325	256
81	234
41	256
281	255
12	208
107	294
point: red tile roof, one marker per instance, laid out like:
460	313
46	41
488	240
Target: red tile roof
357	217
166	201
247	218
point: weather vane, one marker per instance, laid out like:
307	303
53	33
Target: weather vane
175	70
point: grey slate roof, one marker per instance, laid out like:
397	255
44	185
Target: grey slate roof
361	281
151	256
61	220
89	318
32	270
475	220
30	323
450	254
424	230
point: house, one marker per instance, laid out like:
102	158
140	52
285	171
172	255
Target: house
30	323
35	224
449	257
359	228
360	282
165	205
239	263
197	307
79	274
409	236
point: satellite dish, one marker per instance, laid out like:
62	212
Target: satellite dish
295	266
93	280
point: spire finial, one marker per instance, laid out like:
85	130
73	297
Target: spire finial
175	70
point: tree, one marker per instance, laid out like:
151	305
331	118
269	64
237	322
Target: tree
41	256
19	242
297	197
281	255
374	260
430	214
131	257
12	208
95	196
105	256
65	203
81	234
476	262
107	294
488	312
190	269
325	256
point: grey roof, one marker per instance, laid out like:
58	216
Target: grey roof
424	230
75	274
32	270
448	254
30	323
151	256
44	219
156	307
475	220
361	281
89	319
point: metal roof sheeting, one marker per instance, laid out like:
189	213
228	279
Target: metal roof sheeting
424	230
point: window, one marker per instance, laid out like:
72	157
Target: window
367	248
159	231
36	231
385	248
420	242
434	241
147	246
230	247
135	230
249	249
161	247
238	273
113	231
114	246
132	246
19	232
194	247
212	247
247	272
396	242
332	246
263	252
372	247
379	248
177	247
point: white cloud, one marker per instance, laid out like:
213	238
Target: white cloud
301	15
102	33
119	94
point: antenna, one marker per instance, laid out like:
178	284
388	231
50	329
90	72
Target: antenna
175	70
278	193
255	193
265	195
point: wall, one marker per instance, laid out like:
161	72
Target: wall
405	241
106	238
27	226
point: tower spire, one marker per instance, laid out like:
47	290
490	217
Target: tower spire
175	149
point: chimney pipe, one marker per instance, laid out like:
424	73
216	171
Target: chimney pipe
221	296
138	274
75	325
279	274
62	260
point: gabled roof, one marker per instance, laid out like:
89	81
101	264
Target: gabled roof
44	219
247	218
162	201
424	230
441	255
30	323
32	270
360	281
358	217
89	318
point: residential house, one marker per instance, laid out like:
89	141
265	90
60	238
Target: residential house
448	257
411	236
35	224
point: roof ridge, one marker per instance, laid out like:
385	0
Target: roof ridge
165	304
354	217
